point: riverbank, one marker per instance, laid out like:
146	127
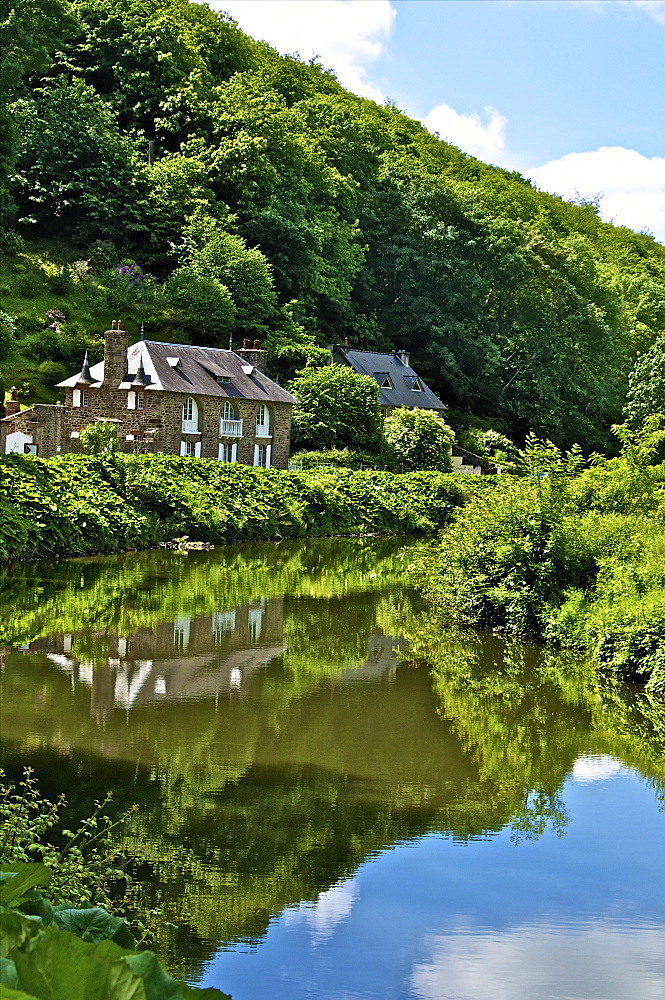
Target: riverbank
568	555
79	505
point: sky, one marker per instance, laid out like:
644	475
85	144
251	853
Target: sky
568	92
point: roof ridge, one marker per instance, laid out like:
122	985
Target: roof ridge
191	347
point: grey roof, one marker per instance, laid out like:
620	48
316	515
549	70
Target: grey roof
196	372
402	376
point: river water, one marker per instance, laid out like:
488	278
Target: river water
337	799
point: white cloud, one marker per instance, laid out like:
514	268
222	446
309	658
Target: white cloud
654	8
590	767
348	35
632	186
597	960
331	908
486	140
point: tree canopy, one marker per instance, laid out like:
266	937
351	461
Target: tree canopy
160	126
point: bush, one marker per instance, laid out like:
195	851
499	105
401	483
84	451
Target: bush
344	458
336	408
418	439
11	242
7	335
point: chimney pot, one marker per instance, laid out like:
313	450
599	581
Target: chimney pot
346	341
12	405
257	345
246	344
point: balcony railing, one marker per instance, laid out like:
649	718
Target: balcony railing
230	428
190	427
262	431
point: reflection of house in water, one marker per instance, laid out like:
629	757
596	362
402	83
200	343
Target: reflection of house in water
210	656
383	659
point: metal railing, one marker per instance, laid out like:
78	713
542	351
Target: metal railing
230	428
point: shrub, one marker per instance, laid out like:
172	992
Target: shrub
418	439
336	408
7	335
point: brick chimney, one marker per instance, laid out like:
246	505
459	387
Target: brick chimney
116	341
12	405
253	355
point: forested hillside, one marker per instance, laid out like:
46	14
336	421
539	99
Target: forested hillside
160	165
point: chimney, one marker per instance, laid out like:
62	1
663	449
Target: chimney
115	355
12	405
403	356
254	356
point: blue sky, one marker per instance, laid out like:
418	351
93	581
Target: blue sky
569	92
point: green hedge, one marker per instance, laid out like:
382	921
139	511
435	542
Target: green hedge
72	505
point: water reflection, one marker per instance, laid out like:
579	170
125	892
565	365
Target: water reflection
283	714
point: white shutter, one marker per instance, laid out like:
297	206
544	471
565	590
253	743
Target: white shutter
234	452
76	397
197	450
268	451
131	400
256	454
220	452
183	448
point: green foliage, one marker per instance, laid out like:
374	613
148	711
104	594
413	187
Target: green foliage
336	408
7	335
418	439
565	553
81	867
205	307
77	504
99	437
80	961
646	386
322	214
338	458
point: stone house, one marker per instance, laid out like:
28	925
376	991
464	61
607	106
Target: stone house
171	398
399	384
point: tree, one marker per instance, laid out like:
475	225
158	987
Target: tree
336	408
418	439
99	437
205	305
646	386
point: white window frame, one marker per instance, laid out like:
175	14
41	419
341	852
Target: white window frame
140	401
227	452
262	421
131	400
190	416
262	455
190	449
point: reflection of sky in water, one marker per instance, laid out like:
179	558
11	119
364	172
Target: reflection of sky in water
577	918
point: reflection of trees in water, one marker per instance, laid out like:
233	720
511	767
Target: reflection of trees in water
253	803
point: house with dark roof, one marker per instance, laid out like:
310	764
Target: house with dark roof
171	398
399	384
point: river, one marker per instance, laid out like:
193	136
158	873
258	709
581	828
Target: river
337	799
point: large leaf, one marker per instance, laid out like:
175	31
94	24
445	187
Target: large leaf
26	875
35	905
94	924
16	930
62	967
8	973
157	983
7	993
192	993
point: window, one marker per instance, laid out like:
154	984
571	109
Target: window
139	401
262	421
223	379
227	452
228	411
30	449
385	381
262	456
189	448
416	387
84	397
190	416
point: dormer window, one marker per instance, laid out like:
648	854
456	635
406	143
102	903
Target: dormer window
385	381
417	386
174	362
223	379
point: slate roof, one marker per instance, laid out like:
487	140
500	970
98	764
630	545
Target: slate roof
195	374
402	376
